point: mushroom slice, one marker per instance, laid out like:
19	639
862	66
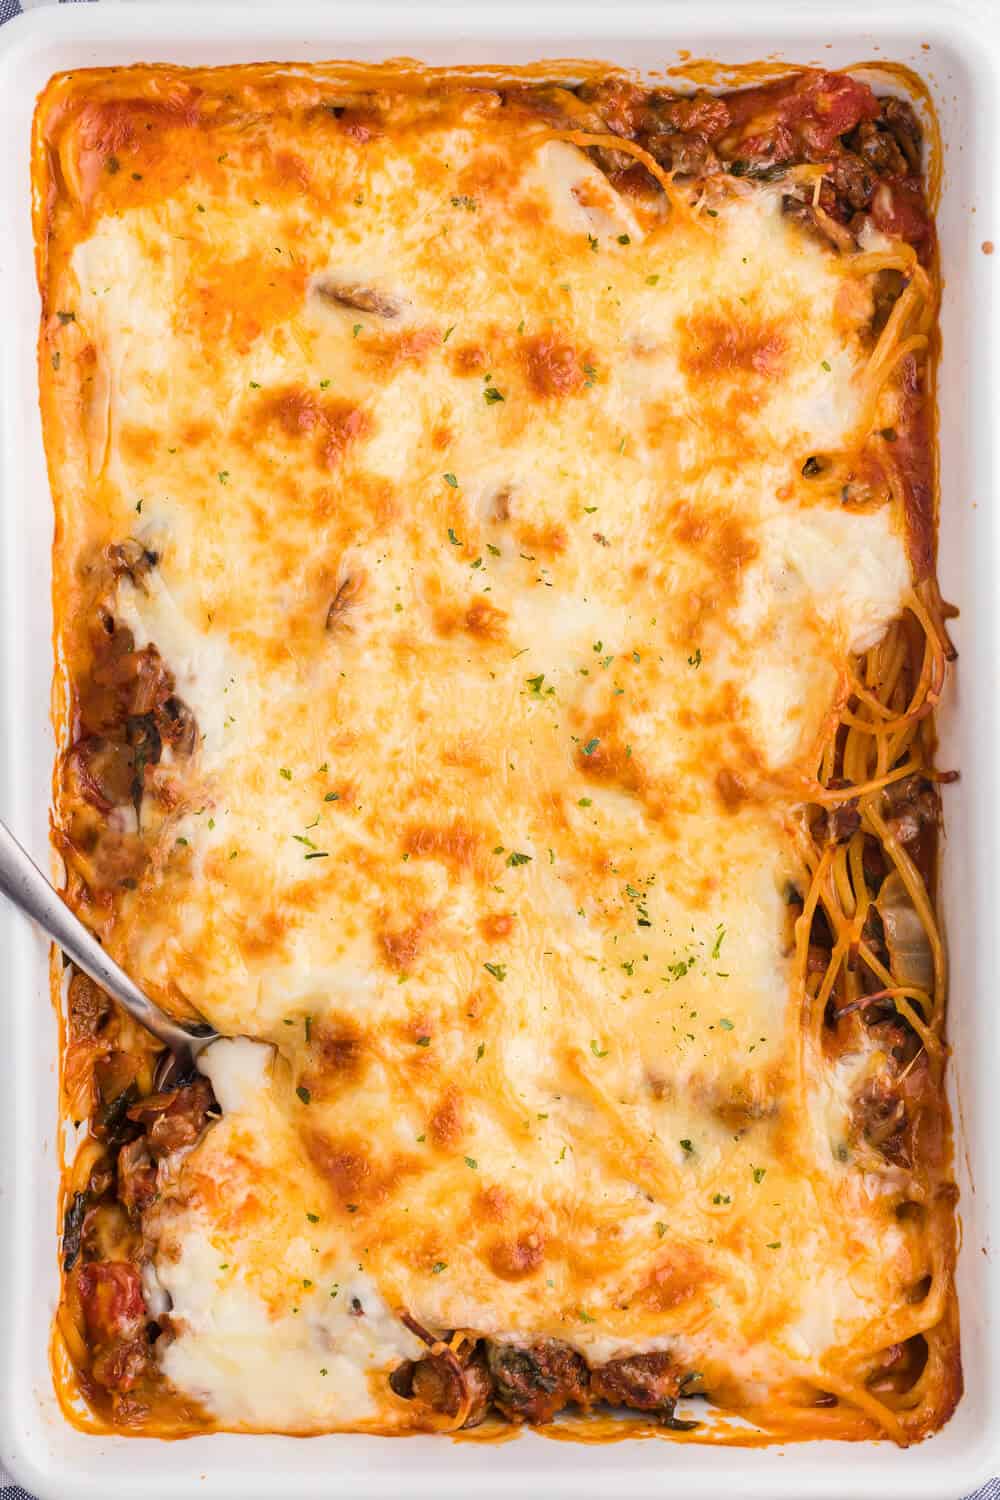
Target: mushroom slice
355	295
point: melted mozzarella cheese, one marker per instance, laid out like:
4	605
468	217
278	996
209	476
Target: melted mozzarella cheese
511	631
288	1342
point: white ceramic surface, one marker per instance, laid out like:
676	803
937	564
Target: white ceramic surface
955	45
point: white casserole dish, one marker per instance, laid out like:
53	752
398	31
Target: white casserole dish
956	48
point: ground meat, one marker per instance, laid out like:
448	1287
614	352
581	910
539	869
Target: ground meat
688	155
897	1113
89	1007
879	149
136	713
446	1384
911	808
534	1382
127	709
648	1382
104	769
880	1116
140	680
618	107
118	1366
130	559
178	726
842	822
899	117
174	1119
136	1176
848	185
700	113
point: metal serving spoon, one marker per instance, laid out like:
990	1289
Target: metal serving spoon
23	883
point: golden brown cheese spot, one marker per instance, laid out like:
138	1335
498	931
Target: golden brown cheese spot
357	1180
482	620
111	133
660	1088
292	170
192	434
488	176
402	945
853	304
231	303
337	1050
418	1031
552	365
456	847
732	789
468	754
548	538
303	896
101	143
390	351
476	1004
493	1204
265	936
610	759
469	359
298	412
521	1249
497	926
677	1277
719	538
447	1123
724	546
590	195
139	444
531	214
712	346
514	1259
108	127
344	424
364	507
720	709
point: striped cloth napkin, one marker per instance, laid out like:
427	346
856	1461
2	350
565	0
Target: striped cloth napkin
8	1489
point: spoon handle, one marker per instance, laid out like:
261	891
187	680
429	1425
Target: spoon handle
23	883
